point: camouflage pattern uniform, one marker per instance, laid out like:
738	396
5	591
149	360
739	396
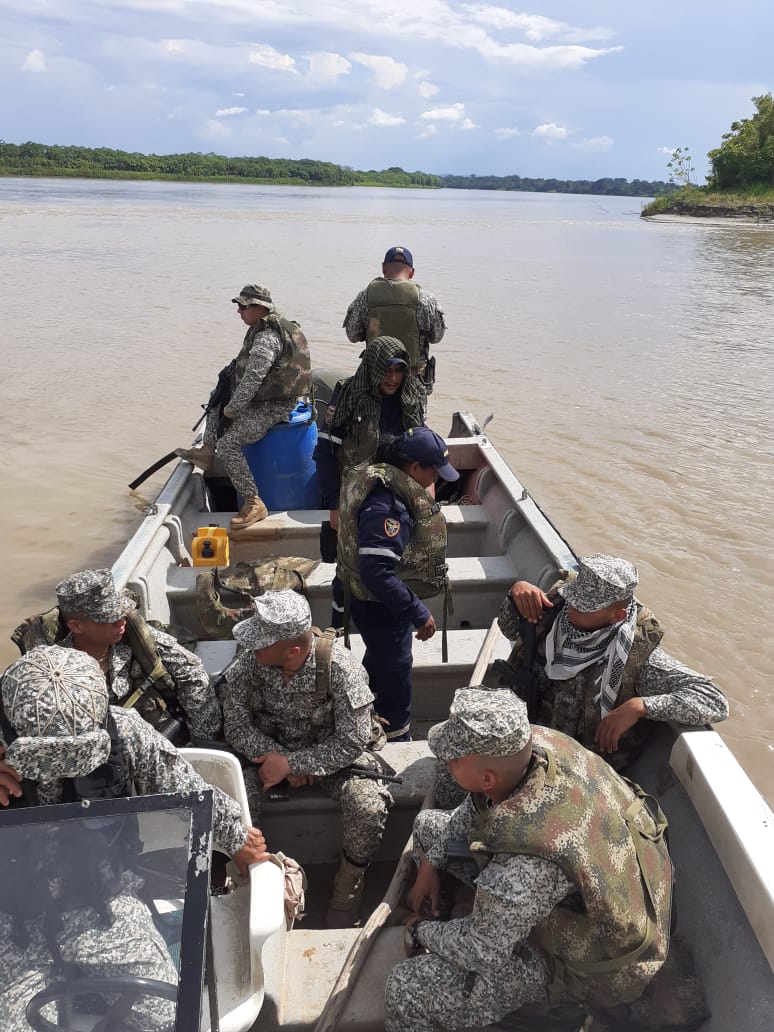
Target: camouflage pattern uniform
53	746
92	594
318	733
131	947
481	967
670	690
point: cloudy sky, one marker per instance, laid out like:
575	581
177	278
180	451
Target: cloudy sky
558	88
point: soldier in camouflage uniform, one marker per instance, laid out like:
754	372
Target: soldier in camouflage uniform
573	886
600	671
391	555
58	727
273	370
302	717
92	616
392	304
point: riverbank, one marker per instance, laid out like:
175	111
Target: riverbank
700	202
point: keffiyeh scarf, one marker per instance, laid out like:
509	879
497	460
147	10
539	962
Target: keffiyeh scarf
360	397
569	650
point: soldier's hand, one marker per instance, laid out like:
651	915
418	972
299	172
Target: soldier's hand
272	768
426	888
530	600
300	780
333	519
228	412
254	851
10	780
427	630
617	722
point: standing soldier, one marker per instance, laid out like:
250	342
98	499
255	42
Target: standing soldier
272	371
392	304
298	706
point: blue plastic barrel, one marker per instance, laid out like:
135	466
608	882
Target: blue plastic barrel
282	465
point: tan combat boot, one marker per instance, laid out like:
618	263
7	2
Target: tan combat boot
347	898
251	512
204	456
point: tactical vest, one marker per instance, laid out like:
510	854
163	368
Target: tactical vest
605	942
422	567
291	375
569	706
392	312
153	689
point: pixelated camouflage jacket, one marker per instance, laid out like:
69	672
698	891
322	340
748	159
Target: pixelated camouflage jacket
606	942
392	312
290	376
146	656
570	705
320	723
422	567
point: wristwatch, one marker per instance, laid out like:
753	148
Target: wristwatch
411	944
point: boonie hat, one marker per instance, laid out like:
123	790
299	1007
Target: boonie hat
279	616
93	594
254	294
421	444
481	723
601	581
399	254
53	691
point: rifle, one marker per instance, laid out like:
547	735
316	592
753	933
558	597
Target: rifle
521	680
281	791
219	395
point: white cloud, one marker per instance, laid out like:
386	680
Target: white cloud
468	124
428	90
550	131
429	130
35	61
226	111
505	133
596	143
535	27
325	66
268	57
666	150
387	72
262	111
452	113
215	129
379	117
235	94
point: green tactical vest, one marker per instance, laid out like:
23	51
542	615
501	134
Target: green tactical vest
392	312
291	375
146	666
422	567
605	942
569	705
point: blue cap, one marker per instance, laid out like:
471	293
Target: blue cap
399	254
421	444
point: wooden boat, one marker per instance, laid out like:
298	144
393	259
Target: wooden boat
722	831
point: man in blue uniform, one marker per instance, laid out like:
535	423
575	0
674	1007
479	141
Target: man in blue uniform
391	555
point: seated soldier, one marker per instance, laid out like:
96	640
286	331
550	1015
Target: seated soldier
298	705
597	671
65	744
561	912
138	660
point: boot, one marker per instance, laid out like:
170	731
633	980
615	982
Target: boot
203	456
347	898
251	512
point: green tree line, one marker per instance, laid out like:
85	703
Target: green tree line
39	159
745	158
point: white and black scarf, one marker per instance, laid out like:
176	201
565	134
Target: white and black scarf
569	650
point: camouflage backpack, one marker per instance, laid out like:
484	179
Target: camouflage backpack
225	596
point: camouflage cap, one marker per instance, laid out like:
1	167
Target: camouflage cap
254	294
93	594
601	581
54	691
481	723
280	615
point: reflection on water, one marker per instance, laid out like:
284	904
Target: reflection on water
628	364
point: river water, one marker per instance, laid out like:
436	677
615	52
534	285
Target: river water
628	363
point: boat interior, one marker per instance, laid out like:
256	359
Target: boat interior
497	534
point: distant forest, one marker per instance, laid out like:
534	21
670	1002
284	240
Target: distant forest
39	159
